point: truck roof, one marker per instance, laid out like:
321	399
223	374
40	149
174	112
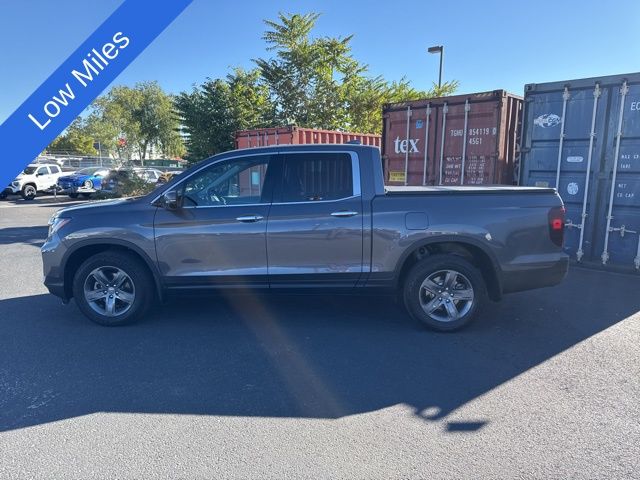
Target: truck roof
301	147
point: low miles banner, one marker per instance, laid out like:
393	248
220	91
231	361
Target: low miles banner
80	79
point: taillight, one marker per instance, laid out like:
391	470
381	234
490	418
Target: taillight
556	225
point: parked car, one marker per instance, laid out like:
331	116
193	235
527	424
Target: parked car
310	217
149	175
82	182
167	176
114	179
33	179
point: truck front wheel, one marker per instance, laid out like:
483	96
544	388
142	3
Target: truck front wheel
113	288
444	292
29	192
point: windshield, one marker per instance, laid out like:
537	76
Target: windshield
29	170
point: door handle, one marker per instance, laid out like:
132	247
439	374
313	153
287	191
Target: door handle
344	213
249	218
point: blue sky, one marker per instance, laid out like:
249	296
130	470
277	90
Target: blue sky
489	44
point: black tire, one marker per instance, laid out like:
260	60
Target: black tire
467	283
138	274
3	195
29	192
85	195
73	195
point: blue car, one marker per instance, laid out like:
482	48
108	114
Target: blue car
82	182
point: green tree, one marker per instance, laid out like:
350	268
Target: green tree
74	140
306	76
249	100
213	111
205	120
128	121
153	120
316	82
366	97
309	82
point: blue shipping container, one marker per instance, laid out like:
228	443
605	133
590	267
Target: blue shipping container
583	137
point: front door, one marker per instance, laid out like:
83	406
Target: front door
216	236
314	233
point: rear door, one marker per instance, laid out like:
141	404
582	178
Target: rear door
315	227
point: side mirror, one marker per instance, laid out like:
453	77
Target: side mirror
170	200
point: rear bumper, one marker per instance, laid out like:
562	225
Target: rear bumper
74	189
535	272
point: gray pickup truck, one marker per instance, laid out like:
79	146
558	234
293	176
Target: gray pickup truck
312	217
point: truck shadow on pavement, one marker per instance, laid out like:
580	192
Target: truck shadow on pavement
23	235
287	356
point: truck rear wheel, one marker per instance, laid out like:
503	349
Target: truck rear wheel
113	288
444	292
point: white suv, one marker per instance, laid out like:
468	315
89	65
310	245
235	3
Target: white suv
35	178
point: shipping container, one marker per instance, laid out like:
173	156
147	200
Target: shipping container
292	135
457	140
583	137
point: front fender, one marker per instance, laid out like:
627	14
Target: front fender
114	243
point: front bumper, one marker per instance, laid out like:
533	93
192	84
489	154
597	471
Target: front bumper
52	259
56	287
12	189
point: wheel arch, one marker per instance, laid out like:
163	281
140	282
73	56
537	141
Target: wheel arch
84	250
472	250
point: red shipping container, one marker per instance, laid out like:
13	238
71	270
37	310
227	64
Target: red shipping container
470	140
263	137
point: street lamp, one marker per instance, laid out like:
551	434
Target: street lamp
438	49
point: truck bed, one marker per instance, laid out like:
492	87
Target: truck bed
467	189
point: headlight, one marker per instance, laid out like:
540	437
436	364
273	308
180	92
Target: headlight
56	223
15	183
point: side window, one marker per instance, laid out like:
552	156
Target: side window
54	169
42	171
233	182
316	176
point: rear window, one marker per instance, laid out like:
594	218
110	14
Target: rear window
316	177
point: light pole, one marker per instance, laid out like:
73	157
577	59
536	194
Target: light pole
438	49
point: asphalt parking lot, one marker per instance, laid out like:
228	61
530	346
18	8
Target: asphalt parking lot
545	384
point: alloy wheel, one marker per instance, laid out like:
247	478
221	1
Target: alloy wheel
109	291
446	295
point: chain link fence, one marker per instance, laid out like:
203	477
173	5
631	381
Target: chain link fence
71	162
